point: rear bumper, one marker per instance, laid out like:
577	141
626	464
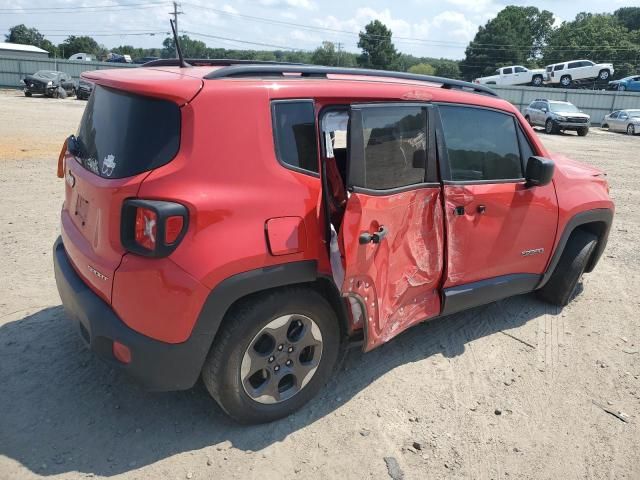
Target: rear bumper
156	365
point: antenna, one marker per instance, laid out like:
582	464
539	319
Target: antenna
183	64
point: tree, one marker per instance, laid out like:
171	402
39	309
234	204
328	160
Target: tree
515	36
629	17
190	48
378	50
325	55
422	69
29	36
82	44
448	69
597	37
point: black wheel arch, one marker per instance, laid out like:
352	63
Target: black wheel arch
597	221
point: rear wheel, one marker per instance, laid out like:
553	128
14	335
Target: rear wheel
631	129
564	281
583	131
604	75
536	81
272	355
27	94
549	127
565	81
528	119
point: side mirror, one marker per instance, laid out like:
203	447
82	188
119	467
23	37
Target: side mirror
544	109
539	171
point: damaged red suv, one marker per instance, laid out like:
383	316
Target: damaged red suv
243	221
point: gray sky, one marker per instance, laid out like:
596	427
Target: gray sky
420	27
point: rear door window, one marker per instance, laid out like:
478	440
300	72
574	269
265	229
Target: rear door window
294	124
507	71
558	67
390	148
481	144
122	134
574	65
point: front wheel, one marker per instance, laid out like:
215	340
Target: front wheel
563	284
583	131
604	74
565	81
536	81
631	129
273	353
621	88
549	127
27	94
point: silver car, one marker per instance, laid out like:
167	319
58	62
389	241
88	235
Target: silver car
623	121
556	116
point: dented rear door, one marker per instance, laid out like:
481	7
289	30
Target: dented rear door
392	229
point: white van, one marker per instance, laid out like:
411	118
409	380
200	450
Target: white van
84	57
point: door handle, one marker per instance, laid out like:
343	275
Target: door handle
481	209
376	237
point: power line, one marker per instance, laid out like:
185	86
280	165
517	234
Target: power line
79	9
175	14
217	37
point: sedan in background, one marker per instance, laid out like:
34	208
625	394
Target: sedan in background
85	87
49	83
631	84
623	121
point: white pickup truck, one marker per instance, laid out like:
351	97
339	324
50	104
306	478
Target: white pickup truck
514	75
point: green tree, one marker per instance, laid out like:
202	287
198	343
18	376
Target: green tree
515	36
629	17
378	50
422	69
597	37
29	36
325	55
448	69
82	44
190	48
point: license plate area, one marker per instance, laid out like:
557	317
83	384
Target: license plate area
82	209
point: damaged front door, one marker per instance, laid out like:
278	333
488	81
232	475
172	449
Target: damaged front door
392	229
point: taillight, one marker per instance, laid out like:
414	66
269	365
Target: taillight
152	228
63	152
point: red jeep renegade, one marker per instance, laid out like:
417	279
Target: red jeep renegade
241	221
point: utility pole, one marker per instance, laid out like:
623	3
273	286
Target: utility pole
175	14
339	47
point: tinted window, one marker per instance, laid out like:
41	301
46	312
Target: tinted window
295	134
121	135
507	71
481	144
520	69
526	151
558	67
587	63
395	146
614	115
574	65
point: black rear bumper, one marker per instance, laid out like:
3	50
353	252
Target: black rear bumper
156	365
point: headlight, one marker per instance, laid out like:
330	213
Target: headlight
561	119
50	84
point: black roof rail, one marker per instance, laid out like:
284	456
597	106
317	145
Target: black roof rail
211	62
258	69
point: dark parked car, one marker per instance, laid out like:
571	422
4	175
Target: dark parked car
48	83
85	87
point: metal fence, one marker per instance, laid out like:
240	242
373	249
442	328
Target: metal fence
13	69
596	103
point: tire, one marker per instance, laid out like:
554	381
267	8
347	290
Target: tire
536	81
621	88
565	81
549	127
563	284
582	132
605	125
631	129
528	119
242	336
604	75
27	94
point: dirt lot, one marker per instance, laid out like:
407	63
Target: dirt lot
516	389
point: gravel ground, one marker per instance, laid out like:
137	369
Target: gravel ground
515	389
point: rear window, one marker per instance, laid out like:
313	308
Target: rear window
122	134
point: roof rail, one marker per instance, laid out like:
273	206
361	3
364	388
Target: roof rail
257	69
211	62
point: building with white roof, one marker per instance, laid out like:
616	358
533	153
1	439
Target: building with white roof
19	50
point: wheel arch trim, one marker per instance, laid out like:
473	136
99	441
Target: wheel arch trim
598	221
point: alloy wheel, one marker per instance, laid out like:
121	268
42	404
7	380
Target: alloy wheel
631	130
281	359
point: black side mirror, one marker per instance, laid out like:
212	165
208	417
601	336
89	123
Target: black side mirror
539	171
544	109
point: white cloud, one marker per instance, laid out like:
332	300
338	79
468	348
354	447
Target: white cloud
304	4
229	9
473	5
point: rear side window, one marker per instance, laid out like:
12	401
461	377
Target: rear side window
394	141
481	144
558	67
122	135
294	124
